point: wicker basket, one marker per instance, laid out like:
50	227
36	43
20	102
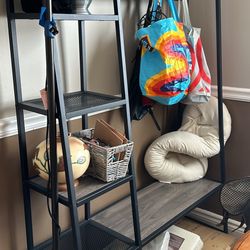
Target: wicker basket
104	162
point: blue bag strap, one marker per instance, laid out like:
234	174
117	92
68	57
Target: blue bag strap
156	3
173	10
49	26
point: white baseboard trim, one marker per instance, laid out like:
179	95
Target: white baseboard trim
8	125
213	219
232	93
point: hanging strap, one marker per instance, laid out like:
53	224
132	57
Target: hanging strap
179	8
156	5
173	10
148	13
49	26
186	15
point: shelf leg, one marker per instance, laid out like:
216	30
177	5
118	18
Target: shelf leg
70	183
124	90
25	176
69	178
83	65
87	211
225	225
20	124
220	91
66	154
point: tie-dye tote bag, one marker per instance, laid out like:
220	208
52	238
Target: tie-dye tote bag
165	60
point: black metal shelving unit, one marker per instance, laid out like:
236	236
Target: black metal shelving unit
111	227
63	106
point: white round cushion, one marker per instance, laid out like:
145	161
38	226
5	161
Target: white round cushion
181	156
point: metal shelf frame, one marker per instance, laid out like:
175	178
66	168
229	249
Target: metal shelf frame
157	215
78	103
98	234
61	110
63	107
88	189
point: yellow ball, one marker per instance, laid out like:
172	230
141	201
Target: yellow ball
80	159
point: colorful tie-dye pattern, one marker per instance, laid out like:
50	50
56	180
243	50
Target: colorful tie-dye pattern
164	73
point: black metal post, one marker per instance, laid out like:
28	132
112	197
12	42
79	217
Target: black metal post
20	123
66	154
52	129
219	84
87	211
83	65
220	97
124	89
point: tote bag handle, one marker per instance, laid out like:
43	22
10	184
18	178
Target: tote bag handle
156	3
148	16
171	6
185	12
186	15
173	10
155	7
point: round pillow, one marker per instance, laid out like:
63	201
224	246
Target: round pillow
181	156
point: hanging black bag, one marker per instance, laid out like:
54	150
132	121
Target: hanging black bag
139	104
34	6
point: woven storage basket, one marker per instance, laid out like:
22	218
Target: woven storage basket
104	163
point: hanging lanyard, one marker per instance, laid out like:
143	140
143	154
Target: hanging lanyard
49	26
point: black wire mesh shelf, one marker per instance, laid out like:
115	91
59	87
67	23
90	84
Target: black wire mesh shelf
88	189
94	237
78	103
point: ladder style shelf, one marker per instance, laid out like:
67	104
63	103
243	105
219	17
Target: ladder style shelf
63	106
127	224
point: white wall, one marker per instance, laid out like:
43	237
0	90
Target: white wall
235	38
102	57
